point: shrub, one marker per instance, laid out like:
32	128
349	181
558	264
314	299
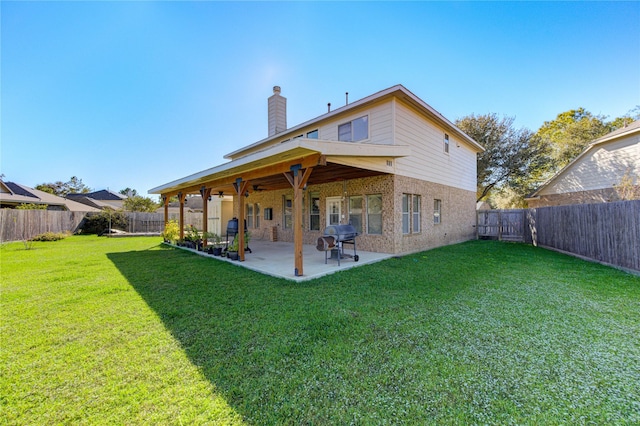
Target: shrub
51	236
32	206
171	231
98	223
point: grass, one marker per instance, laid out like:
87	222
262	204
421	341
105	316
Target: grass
128	331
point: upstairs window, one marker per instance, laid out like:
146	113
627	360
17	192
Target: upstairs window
355	130
313	134
446	143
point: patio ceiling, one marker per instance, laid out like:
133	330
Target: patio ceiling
265	170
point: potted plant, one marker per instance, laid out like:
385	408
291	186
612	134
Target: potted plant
216	241
232	251
192	238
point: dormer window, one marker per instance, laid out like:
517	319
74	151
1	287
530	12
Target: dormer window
355	130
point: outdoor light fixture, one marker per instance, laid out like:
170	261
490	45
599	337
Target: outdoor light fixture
220	194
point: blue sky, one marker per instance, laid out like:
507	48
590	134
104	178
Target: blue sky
137	94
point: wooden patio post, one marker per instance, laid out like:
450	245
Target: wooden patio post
298	181
165	201
241	188
181	197
206	193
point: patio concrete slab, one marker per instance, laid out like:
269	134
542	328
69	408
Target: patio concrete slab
277	259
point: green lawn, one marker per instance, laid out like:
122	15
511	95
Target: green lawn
128	331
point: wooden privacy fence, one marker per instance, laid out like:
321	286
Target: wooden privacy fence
16	225
507	225
605	232
154	222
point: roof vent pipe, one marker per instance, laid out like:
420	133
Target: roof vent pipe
329	107
346	94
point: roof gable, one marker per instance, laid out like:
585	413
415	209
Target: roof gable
398	91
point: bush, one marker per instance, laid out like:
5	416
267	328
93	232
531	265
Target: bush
98	223
171	231
51	236
31	206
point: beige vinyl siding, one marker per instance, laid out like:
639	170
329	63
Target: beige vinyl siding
429	161
380	124
369	163
600	168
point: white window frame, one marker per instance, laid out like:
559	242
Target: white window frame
446	143
287	211
256	212
314	210
356	215
416	214
371	215
406	214
250	216
437	211
411	214
350	126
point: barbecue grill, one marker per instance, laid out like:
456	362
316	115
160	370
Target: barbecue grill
232	231
334	239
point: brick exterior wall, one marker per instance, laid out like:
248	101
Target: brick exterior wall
457	224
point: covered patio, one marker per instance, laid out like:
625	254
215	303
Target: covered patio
292	165
275	258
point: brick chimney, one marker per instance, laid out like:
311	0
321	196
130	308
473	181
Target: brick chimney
277	112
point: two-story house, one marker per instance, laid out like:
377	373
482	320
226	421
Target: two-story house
389	164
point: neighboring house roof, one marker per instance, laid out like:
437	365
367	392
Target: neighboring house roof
99	199
12	193
625	133
102	195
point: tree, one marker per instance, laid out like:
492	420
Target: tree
510	156
59	188
129	192
138	203
570	133
629	186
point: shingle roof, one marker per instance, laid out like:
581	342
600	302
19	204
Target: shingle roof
103	195
23	194
19	190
